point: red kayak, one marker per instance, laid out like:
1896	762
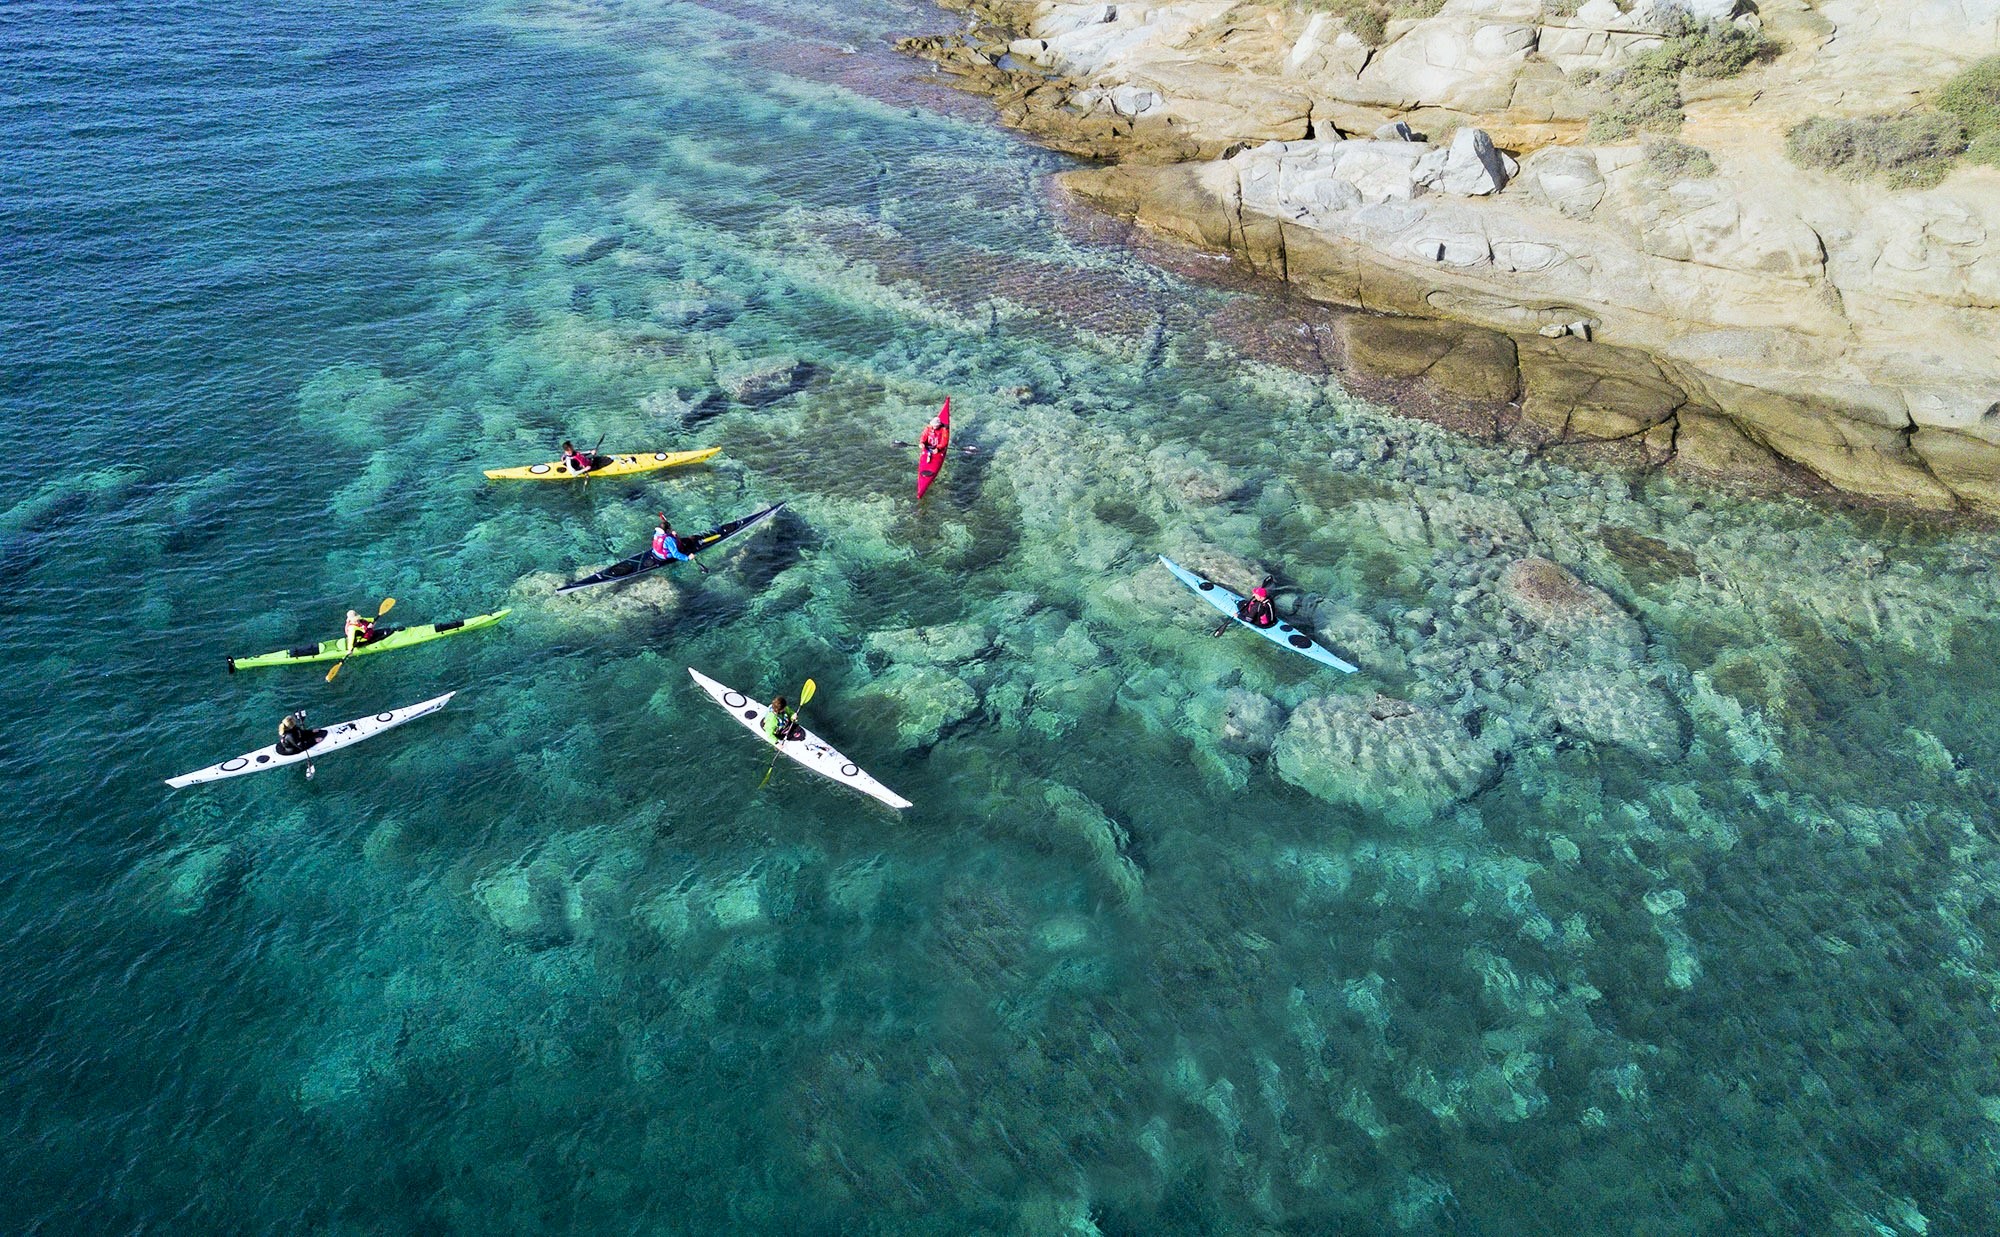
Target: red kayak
931	459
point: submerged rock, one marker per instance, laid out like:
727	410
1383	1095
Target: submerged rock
926	703
191	880
1391	756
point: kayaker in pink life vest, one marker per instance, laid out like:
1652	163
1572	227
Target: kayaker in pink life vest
577	460
359	630
1256	609
667	543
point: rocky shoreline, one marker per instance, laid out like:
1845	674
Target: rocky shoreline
1726	312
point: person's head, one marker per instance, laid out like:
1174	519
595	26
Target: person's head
777	704
937	423
353	615
1260	592
569	448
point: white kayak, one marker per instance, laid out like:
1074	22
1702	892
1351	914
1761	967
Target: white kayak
810	751
332	739
1284	633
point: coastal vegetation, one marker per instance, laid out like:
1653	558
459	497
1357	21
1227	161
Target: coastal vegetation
1369	19
1672	160
1912	150
1645	95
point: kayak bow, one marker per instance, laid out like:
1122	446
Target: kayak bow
811	751
644	561
931	462
1284	634
389	638
610	466
332	739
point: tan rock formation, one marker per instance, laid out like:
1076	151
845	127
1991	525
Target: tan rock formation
1764	311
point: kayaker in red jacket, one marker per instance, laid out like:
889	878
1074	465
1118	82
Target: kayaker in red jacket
577	460
1256	609
934	436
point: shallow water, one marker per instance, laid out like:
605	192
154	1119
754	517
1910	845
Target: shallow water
1661	905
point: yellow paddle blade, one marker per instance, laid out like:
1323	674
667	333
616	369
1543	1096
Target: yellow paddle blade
336	669
388	604
806	695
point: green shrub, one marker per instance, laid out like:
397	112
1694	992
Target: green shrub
1675	161
1973	99
1906	152
1369	19
1645	95
1716	49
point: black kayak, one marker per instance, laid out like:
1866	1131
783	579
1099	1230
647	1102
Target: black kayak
644	561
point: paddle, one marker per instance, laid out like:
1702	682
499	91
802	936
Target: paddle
963	450
593	459
388	604
805	695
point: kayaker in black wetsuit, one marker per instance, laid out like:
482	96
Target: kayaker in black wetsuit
294	736
781	724
1256	609
577	460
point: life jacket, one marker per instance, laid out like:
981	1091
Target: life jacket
578	461
361	630
661	540
934	438
1257	613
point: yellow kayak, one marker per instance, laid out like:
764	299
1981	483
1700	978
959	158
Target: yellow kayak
607	466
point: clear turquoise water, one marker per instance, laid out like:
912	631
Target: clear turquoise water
1671	916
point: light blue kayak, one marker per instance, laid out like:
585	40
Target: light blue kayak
1283	634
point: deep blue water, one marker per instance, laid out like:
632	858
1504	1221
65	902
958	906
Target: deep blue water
1663	906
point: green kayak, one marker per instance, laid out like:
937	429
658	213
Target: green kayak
387	638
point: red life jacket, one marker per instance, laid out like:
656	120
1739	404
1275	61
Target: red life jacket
659	543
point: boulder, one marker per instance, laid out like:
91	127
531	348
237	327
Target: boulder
1566	178
1470	167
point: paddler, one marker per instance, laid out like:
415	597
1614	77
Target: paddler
667	543
294	736
578	461
781	724
360	630
1256	609
934	436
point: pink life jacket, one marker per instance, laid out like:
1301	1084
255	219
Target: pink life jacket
660	550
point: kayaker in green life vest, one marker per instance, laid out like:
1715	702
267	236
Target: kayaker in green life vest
781	724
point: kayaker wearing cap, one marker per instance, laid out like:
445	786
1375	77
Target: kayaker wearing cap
577	460
294	736
667	542
1256	609
781	724
933	438
359	630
